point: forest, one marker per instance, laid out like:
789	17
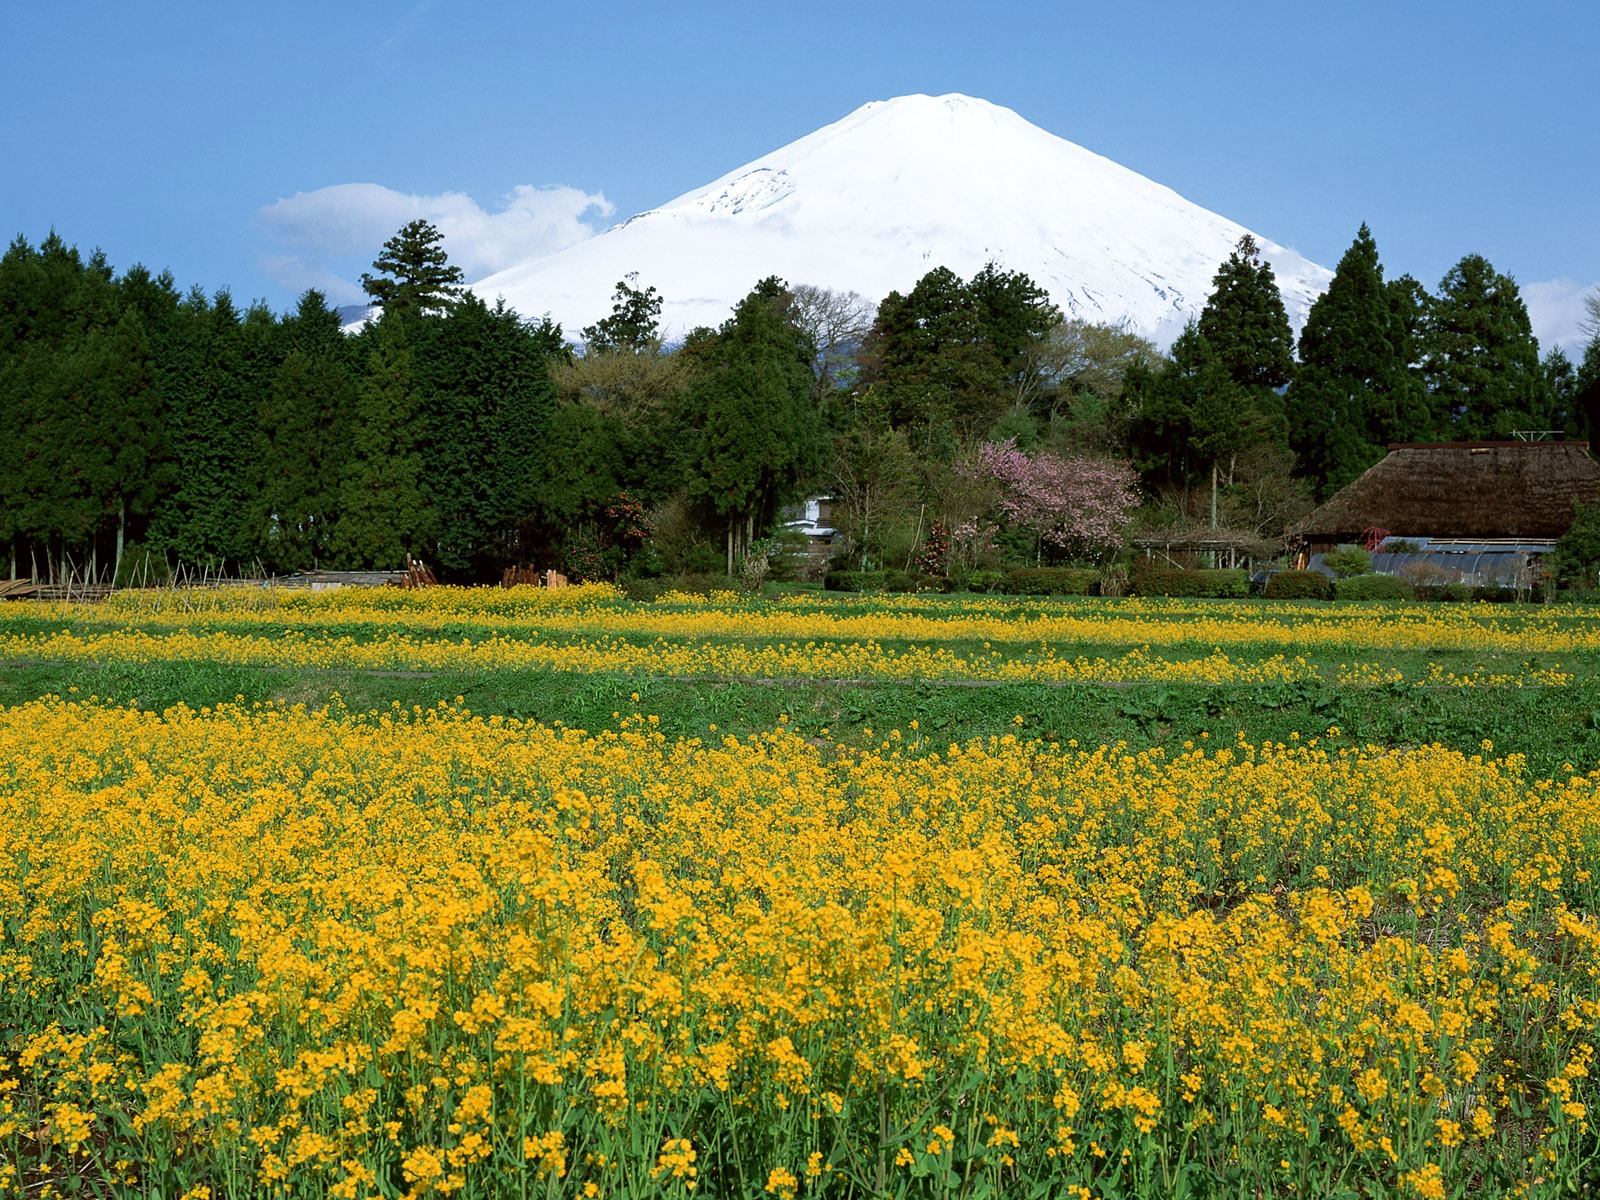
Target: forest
961	425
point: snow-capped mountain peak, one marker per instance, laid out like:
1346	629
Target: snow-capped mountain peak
874	201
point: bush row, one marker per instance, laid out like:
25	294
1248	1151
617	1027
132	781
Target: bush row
1201	584
1162	581
883	581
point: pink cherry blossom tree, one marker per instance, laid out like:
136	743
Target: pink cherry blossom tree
1077	504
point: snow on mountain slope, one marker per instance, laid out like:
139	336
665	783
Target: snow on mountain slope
873	202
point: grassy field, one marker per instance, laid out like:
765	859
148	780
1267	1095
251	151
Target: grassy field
548	893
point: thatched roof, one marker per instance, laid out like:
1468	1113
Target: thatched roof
1463	490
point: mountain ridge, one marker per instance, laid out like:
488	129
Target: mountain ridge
873	201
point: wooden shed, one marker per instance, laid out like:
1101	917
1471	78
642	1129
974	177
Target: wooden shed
1471	490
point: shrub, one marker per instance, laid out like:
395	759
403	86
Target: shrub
1348	561
1299	585
881	581
1204	584
853	581
1453	593
1578	551
979	580
1372	587
1049	581
904	581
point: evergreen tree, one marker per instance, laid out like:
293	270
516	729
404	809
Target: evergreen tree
1194	420
1585	402
216	383
80	420
874	483
1353	392
949	356
415	276
1015	314
383	506
302	440
751	405
585	460
1481	358
488	401
1561	391
634	324
1245	323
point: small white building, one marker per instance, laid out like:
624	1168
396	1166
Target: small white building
812	517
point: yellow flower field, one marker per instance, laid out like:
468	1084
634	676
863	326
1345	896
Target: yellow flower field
590	630
271	951
597	610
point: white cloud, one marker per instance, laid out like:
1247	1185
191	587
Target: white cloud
353	220
297	274
1556	309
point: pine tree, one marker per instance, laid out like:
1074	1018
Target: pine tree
80	420
1245	322
422	280
383	507
1353	392
758	437
1481	358
302	440
634	325
1561	391
214	390
1586	391
1194	419
488	401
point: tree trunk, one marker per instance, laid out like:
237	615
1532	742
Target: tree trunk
730	547
122	526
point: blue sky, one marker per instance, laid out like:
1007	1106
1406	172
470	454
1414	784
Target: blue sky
218	140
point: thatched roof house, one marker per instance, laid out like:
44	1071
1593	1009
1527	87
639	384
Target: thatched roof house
1482	490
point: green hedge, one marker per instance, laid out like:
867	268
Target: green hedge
1452	593
881	581
1299	585
980	580
1372	587
1049	581
1170	581
1462	592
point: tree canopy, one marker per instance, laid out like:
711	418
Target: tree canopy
1353	392
414	275
1245	323
1481	360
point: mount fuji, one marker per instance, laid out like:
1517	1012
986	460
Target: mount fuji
875	201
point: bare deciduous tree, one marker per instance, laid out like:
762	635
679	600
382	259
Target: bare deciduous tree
836	322
1591	321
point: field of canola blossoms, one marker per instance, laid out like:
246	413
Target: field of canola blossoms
257	949
884	638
